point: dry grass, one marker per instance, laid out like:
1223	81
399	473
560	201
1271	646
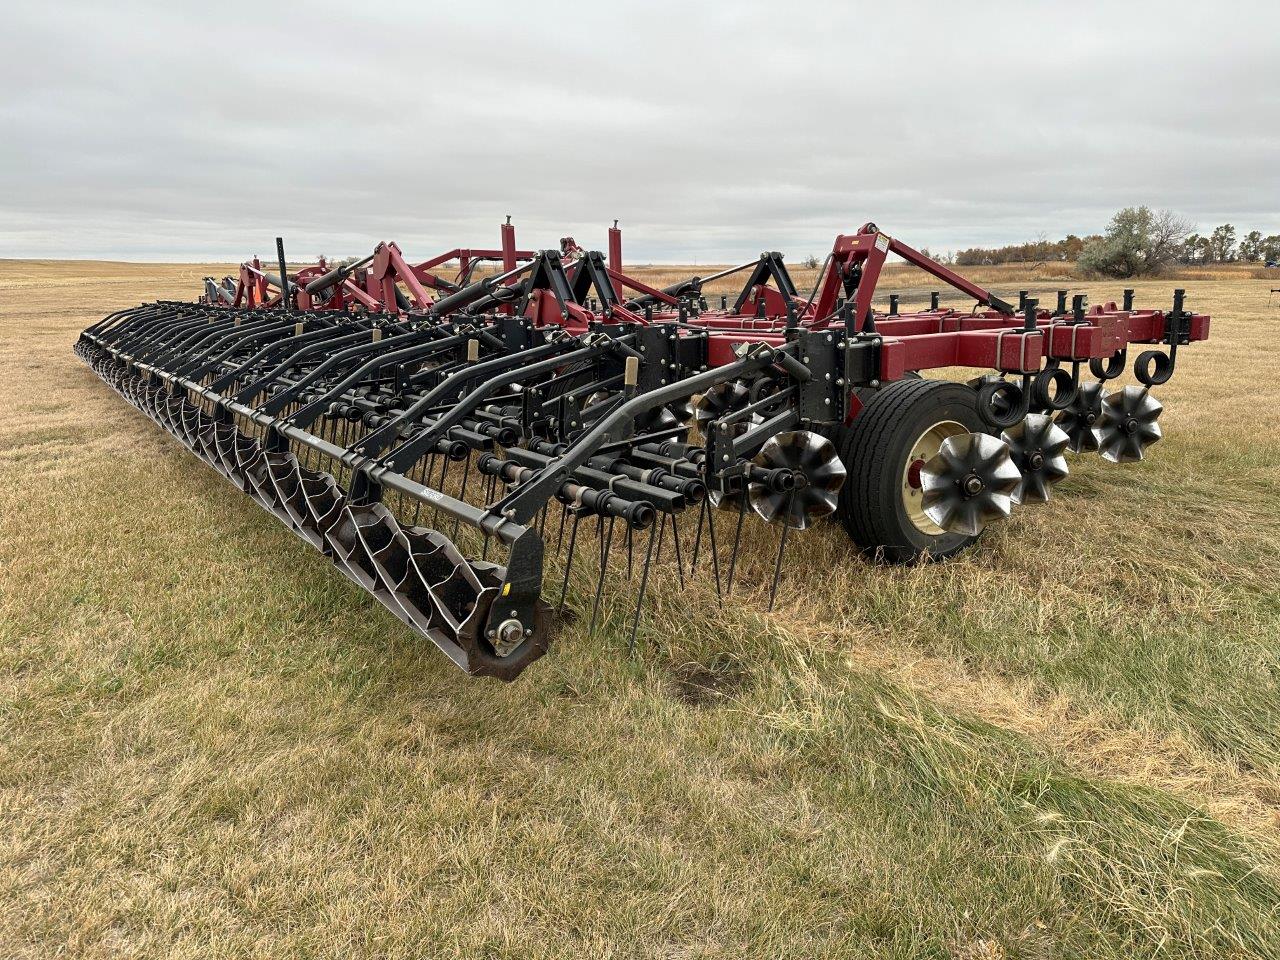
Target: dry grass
1062	744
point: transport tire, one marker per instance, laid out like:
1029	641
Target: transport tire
899	428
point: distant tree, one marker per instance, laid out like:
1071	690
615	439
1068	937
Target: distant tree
1251	247
1222	244
1165	237
1137	241
811	262
1271	248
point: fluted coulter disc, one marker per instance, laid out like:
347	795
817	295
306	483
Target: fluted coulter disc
1079	421
819	475
1037	446
1128	425
969	482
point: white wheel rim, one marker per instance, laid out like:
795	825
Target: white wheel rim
924	449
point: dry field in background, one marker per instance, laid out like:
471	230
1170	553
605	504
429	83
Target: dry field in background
1061	744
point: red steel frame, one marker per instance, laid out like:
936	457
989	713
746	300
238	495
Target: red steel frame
988	337
374	288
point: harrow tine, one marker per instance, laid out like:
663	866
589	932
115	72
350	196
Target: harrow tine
777	563
604	567
466	475
564	514
714	551
697	537
737	542
568	567
644	582
675	540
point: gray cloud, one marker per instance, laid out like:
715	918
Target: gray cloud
198	131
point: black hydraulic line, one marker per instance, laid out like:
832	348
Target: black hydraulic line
474	291
336	275
666	500
525	500
405	454
682	287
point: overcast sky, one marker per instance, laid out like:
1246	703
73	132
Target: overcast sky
177	130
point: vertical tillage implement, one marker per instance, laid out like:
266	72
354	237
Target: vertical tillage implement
405	423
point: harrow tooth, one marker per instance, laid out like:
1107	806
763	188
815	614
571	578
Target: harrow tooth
969	483
1128	424
357	401
1037	445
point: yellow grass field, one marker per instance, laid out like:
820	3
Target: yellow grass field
1065	743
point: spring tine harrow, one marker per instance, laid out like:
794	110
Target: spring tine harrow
409	420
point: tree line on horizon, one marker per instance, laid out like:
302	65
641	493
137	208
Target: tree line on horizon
1138	241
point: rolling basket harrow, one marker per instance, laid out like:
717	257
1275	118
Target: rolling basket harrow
411	420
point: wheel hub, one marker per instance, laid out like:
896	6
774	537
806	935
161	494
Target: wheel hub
913	474
973	485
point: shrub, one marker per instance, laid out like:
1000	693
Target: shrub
1138	242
